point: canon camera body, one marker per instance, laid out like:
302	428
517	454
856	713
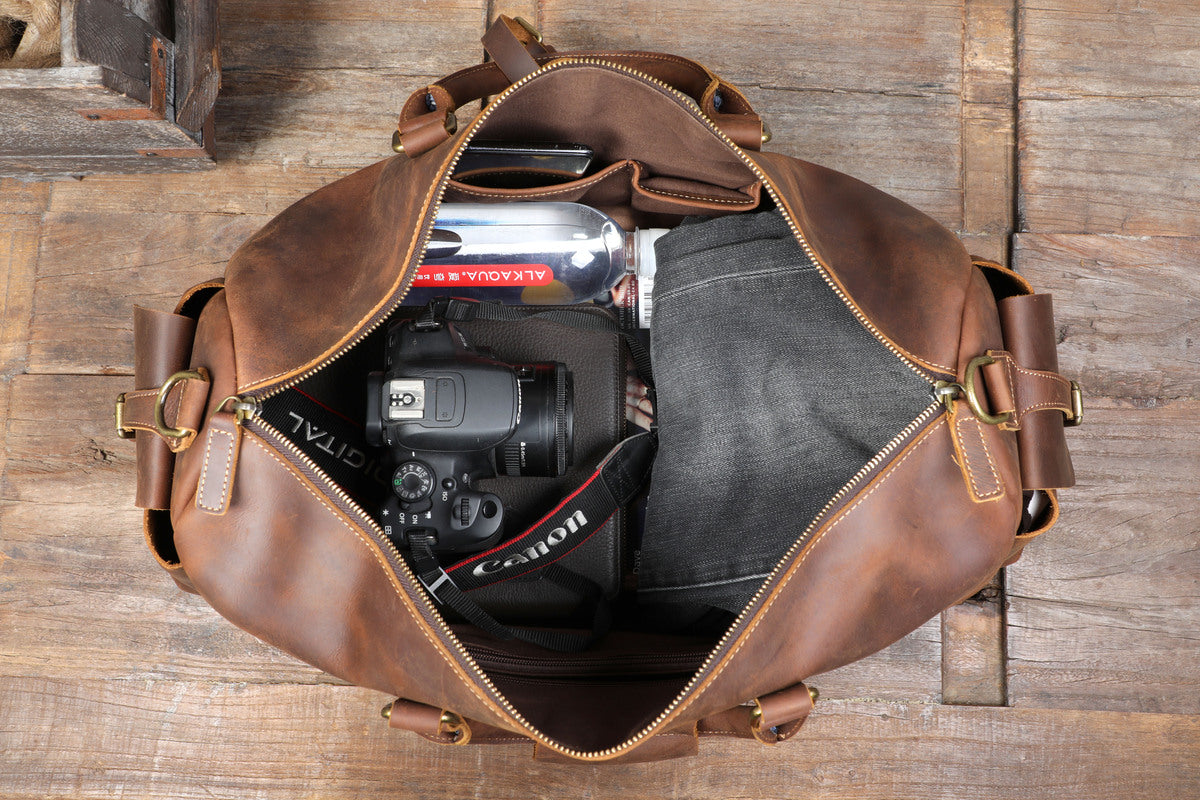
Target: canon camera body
452	415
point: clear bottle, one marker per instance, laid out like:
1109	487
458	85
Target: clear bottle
525	253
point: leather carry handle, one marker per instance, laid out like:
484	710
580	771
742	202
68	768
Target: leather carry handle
427	118
769	719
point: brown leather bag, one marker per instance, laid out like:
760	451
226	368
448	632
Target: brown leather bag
238	514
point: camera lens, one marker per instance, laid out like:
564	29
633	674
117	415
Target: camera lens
542	443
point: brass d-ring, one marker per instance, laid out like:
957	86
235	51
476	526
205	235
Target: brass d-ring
160	419
971	391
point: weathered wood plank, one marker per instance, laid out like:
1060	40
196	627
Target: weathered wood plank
94	267
906	145
798	45
1122	166
1126	311
1110	118
1124	48
332	118
245	187
863	96
973	650
204	740
80	595
1105	609
988	135
434	37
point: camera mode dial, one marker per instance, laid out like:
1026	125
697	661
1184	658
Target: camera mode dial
412	481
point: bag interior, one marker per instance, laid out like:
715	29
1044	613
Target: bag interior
657	165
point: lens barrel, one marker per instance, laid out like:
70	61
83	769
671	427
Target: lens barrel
543	441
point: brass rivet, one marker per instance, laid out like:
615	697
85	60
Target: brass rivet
397	145
386	711
814	694
766	133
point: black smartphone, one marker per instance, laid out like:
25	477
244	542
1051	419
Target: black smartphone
521	164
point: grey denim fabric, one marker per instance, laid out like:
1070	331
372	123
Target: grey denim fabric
771	396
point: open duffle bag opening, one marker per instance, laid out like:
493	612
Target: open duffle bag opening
856	425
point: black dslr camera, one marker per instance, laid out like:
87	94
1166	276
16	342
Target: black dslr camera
452	415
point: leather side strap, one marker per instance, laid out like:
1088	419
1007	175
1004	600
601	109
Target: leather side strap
162	346
182	410
1025	380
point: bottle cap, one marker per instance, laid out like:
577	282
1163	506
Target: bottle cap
645	266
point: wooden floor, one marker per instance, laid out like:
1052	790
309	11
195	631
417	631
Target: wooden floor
1063	136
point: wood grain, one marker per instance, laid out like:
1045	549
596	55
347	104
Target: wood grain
323	119
94	267
1125	166
1126	311
988	124
1119	49
1110	118
1104	611
846	88
21	209
433	37
1103	608
973	649
855	48
204	740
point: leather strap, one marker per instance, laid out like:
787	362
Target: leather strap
183	409
1021	391
513	47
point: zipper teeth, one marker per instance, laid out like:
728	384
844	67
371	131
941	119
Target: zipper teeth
370	524
798	545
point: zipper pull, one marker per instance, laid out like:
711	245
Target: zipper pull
244	408
222	444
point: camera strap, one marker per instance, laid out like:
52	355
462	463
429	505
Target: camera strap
618	479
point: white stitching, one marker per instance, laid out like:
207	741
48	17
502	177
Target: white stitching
999	490
208	450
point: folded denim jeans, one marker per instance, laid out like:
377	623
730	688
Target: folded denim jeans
771	395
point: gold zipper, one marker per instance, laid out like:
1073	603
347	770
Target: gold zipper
252	398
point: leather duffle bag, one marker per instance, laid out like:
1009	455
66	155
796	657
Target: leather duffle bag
893	435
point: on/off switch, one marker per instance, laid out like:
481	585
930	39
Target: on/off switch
444	392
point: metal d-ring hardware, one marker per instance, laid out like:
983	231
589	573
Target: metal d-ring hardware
160	420
949	391
456	727
1076	418
528	26
970	389
122	431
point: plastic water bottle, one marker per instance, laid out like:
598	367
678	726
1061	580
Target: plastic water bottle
526	253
